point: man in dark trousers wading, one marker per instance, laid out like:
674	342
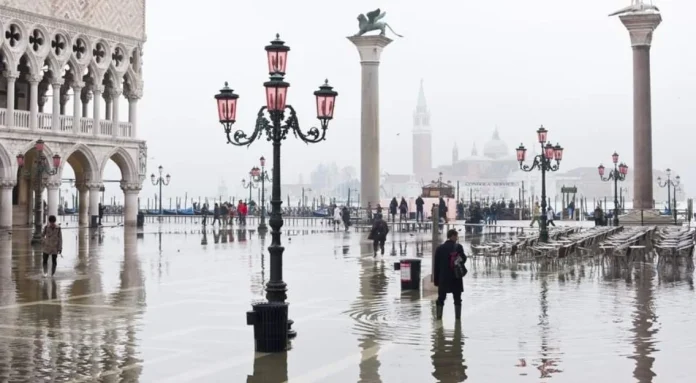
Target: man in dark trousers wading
449	272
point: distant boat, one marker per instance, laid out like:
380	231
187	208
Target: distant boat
188	211
323	212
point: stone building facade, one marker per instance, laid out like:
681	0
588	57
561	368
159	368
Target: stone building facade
67	67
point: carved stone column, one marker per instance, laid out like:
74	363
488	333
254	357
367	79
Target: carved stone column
34	100
11	76
640	27
94	190
83	193
130	206
115	98
96	113
52	188
55	121
6	187
370	49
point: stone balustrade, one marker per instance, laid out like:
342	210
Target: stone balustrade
22	120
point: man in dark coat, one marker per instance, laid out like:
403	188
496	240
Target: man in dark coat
393	206
444	277
419	208
378	234
443	209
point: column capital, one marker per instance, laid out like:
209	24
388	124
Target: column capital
53	185
7	184
135	91
97	88
11	74
57	82
640	27
77	85
35	79
370	47
93	185
85	95
131	187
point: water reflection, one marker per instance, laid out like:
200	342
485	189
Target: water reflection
644	328
369	309
548	365
270	368
447	355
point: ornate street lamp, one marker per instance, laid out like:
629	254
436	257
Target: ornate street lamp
543	162
40	168
262	176
272	121
617	174
669	183
161	181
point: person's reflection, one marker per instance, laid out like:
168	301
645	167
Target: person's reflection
216	236
393	249
223	235
50	312
402	248
447	354
419	248
204	237
643	319
241	235
373	287
346	249
270	368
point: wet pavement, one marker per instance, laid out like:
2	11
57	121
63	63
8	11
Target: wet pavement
169	305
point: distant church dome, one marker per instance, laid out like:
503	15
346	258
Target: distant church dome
496	148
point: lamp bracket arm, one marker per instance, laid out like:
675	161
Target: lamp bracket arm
313	134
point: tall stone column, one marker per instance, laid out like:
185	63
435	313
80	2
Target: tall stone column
640	27
52	188
11	76
55	120
34	101
96	112
6	187
370	49
94	190
130	206
83	192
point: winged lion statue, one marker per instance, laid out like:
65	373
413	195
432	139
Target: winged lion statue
372	23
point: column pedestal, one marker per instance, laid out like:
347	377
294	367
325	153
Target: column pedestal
640	27
52	202
94	204
370	49
83	193
130	211
6	204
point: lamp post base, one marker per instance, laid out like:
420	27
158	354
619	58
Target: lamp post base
616	221
544	235
36	238
262	227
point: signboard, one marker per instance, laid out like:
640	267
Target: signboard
405	272
572	189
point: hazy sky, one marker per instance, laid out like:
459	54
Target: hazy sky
514	64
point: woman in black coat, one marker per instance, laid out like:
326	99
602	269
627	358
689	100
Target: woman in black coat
378	234
444	277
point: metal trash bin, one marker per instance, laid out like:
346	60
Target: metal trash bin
270	321
410	273
140	220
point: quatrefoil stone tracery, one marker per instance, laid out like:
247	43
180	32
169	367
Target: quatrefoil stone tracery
36	40
13	35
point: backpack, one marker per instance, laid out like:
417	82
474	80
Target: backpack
457	264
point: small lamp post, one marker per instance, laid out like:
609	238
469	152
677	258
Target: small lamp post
272	121
254	172
670	183
617	174
262	176
543	162
40	169
161	181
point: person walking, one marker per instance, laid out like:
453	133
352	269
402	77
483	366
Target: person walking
449	257
337	217
443	209
224	213
571	210
403	210
101	213
370	216
536	214
52	239
345	215
419	208
549	217
204	213
393	205
378	234
216	214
